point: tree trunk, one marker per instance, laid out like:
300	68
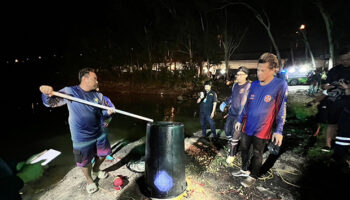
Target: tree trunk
292	54
208	67
309	49
274	46
227	66
190	53
200	69
329	26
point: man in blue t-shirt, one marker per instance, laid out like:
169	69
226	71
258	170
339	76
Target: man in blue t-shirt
266	106
208	100
87	132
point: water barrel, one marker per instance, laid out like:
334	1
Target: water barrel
165	160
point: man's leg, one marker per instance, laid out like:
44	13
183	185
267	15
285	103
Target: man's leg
258	150
331	132
342	140
203	122
334	111
310	89
87	173
229	126
103	148
234	143
83	154
98	162
245	145
212	124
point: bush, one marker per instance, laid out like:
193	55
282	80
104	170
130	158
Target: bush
301	112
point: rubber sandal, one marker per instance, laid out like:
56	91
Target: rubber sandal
100	174
109	158
91	188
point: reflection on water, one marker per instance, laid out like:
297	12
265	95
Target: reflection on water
45	128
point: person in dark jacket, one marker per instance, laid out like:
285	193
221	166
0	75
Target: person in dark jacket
208	100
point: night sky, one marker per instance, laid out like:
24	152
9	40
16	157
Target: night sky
59	27
39	27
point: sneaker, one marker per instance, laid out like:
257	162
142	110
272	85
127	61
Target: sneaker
241	173
326	149
230	159
249	181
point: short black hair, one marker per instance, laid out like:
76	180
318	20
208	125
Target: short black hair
85	71
207	83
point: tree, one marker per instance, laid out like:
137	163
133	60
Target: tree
263	18
230	40
307	45
329	27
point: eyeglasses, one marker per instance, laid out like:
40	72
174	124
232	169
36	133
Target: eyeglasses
240	74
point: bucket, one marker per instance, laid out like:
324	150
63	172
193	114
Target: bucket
165	160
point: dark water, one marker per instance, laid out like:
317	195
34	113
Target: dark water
36	128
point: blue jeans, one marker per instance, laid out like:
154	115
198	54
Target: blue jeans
204	118
229	125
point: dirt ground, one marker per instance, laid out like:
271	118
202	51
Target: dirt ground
300	171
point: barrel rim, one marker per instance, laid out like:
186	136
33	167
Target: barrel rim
165	124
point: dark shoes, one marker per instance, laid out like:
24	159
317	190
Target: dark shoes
249	181
241	173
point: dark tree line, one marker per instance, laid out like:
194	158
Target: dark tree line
140	33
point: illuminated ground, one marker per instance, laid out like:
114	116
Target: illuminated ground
302	170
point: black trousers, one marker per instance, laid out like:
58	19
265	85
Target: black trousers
258	151
342	140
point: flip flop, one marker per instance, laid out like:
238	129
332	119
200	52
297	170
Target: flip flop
91	188
100	174
110	158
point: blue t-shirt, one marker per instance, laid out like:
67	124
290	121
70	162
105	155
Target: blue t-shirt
235	100
265	105
84	120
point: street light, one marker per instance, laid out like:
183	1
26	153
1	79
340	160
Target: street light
302	27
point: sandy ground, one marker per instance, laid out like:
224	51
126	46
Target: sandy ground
208	176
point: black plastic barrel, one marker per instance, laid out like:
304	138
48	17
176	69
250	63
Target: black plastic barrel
165	164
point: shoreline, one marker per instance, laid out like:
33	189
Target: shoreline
126	88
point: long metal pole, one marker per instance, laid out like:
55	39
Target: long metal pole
100	106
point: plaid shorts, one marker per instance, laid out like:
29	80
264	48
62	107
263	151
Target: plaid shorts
84	152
